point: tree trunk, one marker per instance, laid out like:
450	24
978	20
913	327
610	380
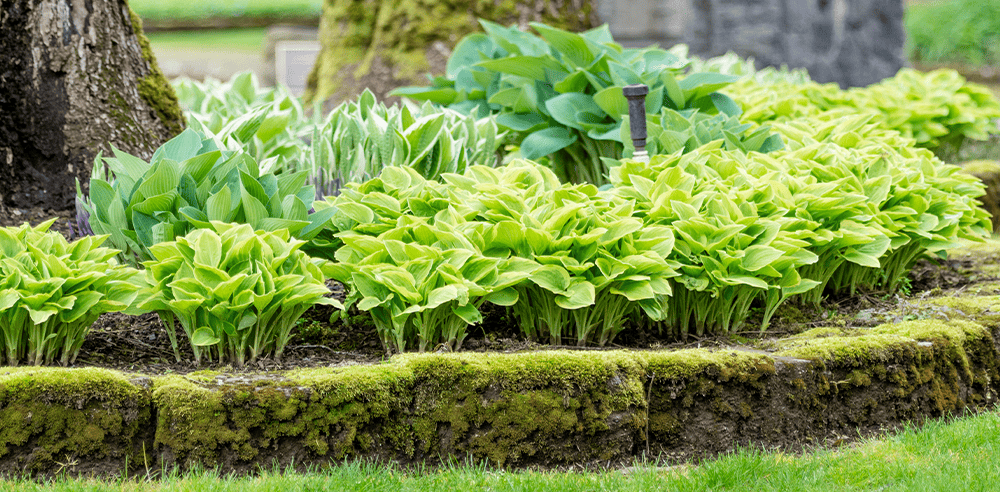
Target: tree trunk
384	44
76	76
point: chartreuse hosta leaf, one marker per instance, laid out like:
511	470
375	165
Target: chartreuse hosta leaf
188	183
52	291
423	284
935	109
560	93
236	292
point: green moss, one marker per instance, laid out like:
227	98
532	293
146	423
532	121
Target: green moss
981	167
68	412
849	350
154	88
980	309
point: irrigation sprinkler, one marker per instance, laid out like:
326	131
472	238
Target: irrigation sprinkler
636	95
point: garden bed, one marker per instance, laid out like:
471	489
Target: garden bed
857	366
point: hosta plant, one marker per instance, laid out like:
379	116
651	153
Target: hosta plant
423	285
189	182
361	137
224	110
235	292
561	92
52	291
937	109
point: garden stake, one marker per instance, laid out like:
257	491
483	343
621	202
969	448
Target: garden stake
636	95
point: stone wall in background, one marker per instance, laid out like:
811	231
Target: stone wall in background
851	42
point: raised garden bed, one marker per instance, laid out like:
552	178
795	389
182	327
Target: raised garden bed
936	354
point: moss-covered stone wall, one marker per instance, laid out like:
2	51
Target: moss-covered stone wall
545	409
381	45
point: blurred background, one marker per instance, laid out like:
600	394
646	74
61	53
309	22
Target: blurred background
277	39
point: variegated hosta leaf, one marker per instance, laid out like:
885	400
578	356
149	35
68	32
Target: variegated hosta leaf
211	277
51	291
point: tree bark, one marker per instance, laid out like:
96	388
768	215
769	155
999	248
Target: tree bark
76	76
383	44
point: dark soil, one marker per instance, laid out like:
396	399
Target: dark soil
140	343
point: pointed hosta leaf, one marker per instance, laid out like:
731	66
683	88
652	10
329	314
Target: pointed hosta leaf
441	295
532	67
612	101
521	122
745	280
437	95
726	105
218	205
180	148
758	256
207	248
545	142
468	313
254	211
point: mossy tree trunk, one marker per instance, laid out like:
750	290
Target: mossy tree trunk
76	76
383	44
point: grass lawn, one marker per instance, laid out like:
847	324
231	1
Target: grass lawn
161	10
948	455
241	39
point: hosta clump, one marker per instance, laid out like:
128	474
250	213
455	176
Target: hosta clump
423	284
936	109
686	130
189	182
235	292
361	137
229	110
879	186
735	241
571	264
52	291
561	92
597	264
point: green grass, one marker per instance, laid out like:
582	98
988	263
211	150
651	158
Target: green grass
963	32
952	455
242	39
188	10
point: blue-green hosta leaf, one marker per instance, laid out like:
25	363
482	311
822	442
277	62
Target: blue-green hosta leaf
545	142
698	85
571	46
219	205
532	67
565	108
521	122
180	148
612	101
469	51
